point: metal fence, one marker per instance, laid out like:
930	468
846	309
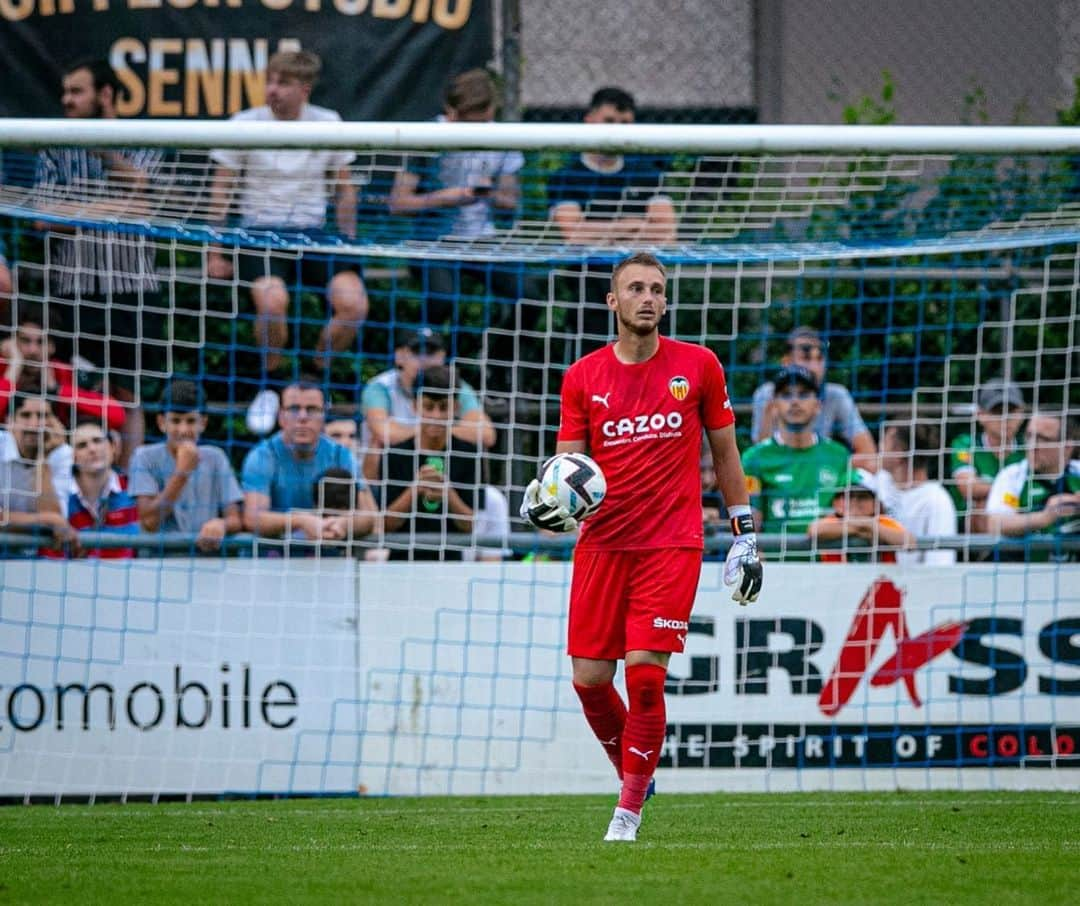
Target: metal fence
795	61
1061	548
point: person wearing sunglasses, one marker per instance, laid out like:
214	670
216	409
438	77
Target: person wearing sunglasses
838	416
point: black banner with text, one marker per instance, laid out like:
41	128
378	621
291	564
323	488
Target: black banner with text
382	59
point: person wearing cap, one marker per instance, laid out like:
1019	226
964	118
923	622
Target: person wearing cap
977	459
1041	492
856	513
910	451
389	404
792	475
181	485
838	415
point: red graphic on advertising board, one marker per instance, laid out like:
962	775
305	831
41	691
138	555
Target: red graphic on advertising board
881	610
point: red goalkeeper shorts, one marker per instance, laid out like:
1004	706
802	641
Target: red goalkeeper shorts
631	601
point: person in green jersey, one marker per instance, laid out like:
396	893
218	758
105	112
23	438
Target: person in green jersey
977	457
1041	493
793	475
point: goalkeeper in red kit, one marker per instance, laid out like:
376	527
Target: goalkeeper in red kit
638	407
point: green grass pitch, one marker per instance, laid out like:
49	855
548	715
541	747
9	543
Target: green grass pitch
874	848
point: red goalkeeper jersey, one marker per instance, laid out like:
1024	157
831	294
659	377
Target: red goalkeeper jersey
642	424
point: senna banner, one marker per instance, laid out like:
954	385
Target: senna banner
382	59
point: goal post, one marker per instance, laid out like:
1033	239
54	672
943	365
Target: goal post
930	261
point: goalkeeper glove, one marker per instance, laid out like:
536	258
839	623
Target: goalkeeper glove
550	515
742	567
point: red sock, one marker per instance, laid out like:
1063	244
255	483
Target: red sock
646	723
606	714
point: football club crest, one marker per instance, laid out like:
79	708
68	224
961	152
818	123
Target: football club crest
679	387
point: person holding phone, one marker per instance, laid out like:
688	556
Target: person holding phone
434	481
457	195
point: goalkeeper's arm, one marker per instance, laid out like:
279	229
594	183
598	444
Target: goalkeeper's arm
742	568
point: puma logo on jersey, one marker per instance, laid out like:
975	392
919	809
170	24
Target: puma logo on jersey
633	750
597	398
681	637
609	742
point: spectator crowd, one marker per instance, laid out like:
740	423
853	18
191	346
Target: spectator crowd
414	460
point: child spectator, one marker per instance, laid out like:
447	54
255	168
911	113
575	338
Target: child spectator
35	433
180	485
333	497
909	452
99	503
343	431
335	492
857	514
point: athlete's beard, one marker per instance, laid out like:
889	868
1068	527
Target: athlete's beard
94	113
641	330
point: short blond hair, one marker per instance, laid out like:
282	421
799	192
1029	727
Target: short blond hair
470	91
302	65
646	259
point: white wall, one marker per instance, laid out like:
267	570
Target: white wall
429	679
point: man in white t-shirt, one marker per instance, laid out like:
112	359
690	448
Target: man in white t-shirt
922	506
1041	492
287	192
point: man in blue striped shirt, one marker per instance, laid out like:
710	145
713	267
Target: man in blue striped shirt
101	284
